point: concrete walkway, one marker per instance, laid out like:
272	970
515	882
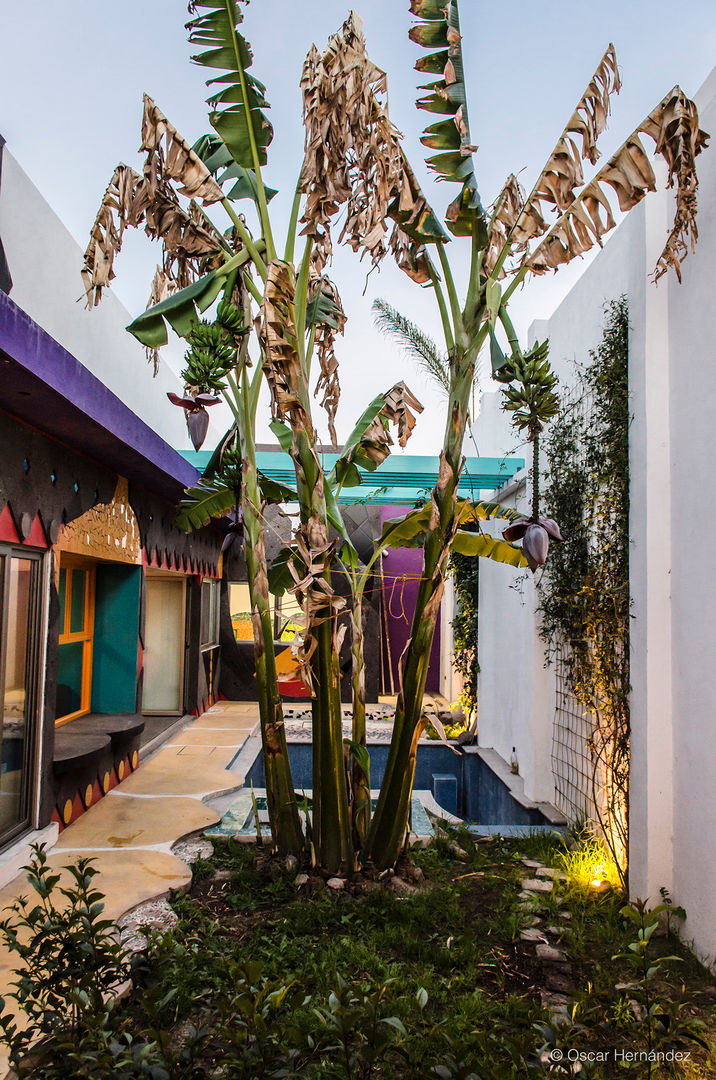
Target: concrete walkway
130	833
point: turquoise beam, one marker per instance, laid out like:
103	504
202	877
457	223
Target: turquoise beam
402	479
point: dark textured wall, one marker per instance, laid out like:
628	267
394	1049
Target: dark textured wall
39	475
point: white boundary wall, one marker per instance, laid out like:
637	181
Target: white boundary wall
673	557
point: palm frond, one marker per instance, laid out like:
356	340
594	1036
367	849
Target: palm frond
414	341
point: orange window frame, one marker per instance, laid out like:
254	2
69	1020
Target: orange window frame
86	635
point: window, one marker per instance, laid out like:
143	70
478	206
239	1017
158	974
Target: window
76	625
19	672
209	614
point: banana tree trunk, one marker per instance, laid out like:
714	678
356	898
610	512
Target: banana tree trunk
331	818
360	778
283	812
390	821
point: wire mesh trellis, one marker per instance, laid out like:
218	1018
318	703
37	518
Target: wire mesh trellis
572	749
584	600
573	725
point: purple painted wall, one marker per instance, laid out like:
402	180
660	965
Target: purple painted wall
399	601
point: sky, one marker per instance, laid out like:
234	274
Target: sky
72	78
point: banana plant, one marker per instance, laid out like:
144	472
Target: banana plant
354	162
202	265
511	239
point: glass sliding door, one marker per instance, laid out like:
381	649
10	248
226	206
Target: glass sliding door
19	671
163	685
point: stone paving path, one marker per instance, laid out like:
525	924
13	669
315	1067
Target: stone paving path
131	833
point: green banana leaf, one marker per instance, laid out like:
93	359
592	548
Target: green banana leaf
410	530
212	498
283	434
345	471
487	547
335	518
206	500
279	575
439	29
468	510
239	101
213	465
217	157
322	309
181	309
273	491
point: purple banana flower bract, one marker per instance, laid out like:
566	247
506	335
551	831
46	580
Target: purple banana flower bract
197	418
535	537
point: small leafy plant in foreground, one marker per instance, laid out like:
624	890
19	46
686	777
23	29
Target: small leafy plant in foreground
657	1021
71	964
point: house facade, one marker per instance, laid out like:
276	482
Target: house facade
109	614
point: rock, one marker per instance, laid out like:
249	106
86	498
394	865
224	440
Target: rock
550	954
625	986
155	913
558	981
532	920
537	885
364	885
532	864
530	901
417	875
564	914
550	872
336	883
401	887
456	851
555	930
550	1000
192	849
532	934
301	880
221	875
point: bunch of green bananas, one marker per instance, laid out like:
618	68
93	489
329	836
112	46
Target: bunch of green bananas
529	391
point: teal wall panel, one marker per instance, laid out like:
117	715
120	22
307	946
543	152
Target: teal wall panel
116	636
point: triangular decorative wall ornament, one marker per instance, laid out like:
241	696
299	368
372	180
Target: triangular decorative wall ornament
108	531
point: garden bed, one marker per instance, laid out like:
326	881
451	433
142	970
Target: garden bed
450	947
479	958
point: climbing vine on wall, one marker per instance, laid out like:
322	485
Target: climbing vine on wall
464	570
584	591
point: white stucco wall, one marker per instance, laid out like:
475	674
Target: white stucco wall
672	569
45	263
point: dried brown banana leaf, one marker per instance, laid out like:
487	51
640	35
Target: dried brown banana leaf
169	154
277	334
113	216
329	320
399	408
674	127
163	285
353	159
507	209
563	175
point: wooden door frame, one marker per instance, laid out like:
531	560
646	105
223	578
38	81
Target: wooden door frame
66	637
